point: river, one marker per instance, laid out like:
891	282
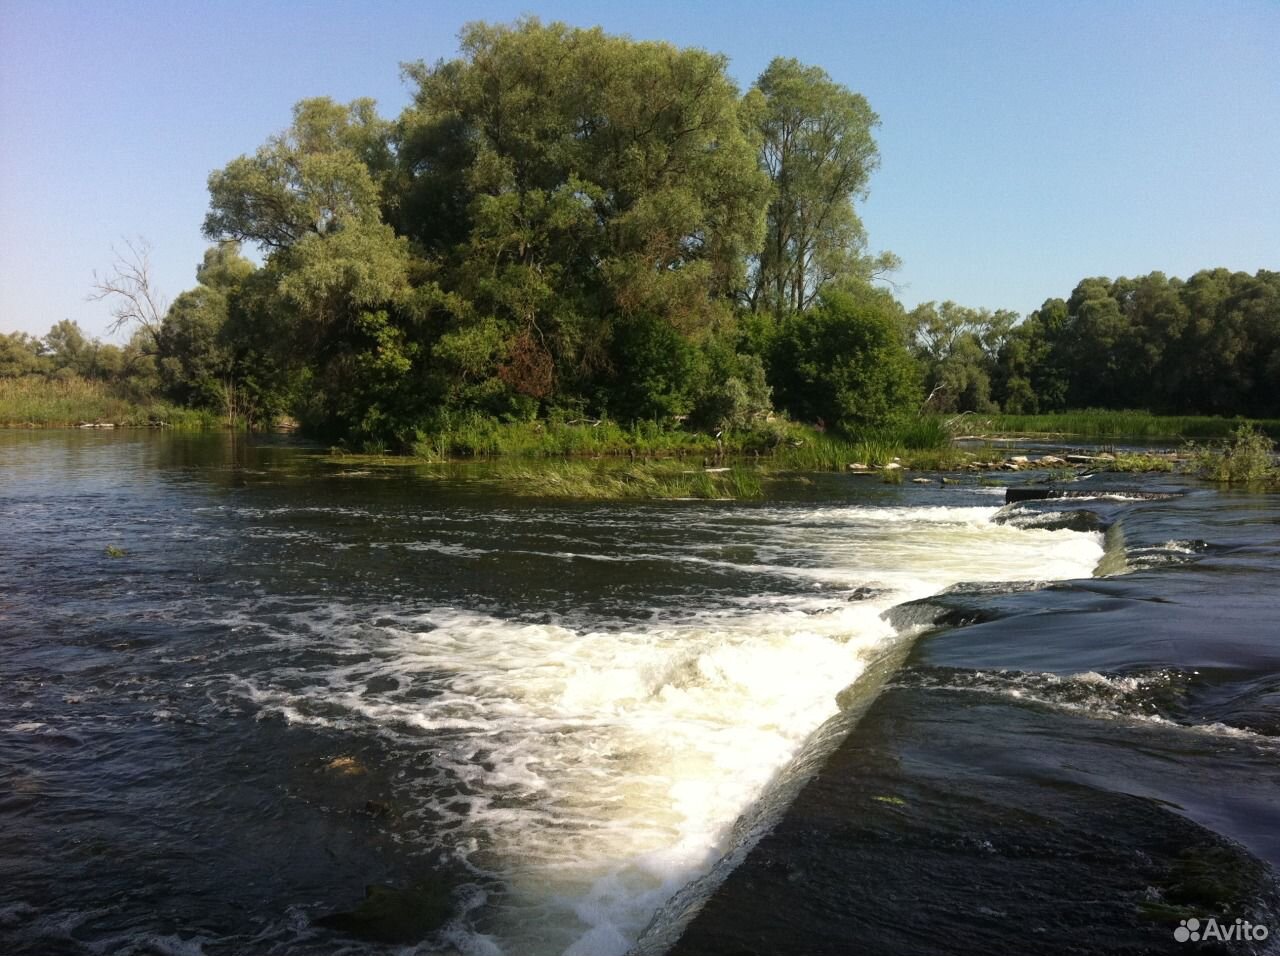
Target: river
255	701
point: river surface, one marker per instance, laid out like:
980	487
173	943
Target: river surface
255	701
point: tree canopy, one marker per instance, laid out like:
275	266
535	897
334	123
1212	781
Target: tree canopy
566	222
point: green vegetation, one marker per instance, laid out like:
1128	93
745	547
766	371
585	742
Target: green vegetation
1249	458
1103	423
567	227
1207	345
577	479
64	400
1138	463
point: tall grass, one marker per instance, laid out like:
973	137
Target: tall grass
1249	458
35	401
1103	423
783	443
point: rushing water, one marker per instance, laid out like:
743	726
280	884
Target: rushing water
531	723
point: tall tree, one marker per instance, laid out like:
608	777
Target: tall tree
606	182
197	362
815	144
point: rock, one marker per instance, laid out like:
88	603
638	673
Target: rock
1020	459
1078	520
346	766
922	481
1009	466
1081	459
391	914
950	481
1051	461
376	809
858	467
893	466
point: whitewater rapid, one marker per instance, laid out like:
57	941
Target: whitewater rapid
592	763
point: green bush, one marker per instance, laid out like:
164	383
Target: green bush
1248	458
844	363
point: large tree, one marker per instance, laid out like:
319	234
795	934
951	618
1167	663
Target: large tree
605	182
815	144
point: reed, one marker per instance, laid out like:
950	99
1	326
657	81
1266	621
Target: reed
58	402
1104	423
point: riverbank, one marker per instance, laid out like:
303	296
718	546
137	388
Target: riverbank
1108	424
1247	460
74	402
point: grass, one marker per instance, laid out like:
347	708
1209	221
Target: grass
37	402
611	480
1249	458
1140	463
604	460
784	444
1102	423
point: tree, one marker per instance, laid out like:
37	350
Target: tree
312	179
605	182
815	144
20	354
196	360
136	304
958	348
844	362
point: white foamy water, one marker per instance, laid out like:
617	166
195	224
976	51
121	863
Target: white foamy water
596	765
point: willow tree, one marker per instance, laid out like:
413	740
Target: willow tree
815	144
603	182
335	294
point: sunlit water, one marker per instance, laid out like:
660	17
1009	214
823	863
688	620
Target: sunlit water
575	704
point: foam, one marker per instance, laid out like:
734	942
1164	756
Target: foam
594	766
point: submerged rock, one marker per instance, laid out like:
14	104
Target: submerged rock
346	766
390	914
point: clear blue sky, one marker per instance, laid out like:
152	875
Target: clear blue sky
1024	145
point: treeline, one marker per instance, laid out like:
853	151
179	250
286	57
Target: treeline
65	353
1207	345
563	223
574	226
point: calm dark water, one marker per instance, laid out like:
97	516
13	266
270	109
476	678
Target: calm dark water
314	711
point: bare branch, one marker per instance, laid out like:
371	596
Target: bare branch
130	289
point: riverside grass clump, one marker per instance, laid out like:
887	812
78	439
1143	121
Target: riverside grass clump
924	441
1248	458
1105	423
36	401
1140	463
605	460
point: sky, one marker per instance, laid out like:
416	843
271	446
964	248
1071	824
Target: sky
1024	145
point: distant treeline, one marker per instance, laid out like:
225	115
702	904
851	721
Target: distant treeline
570	225
1206	345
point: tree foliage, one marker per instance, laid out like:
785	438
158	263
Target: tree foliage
1209	344
814	140
568	223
